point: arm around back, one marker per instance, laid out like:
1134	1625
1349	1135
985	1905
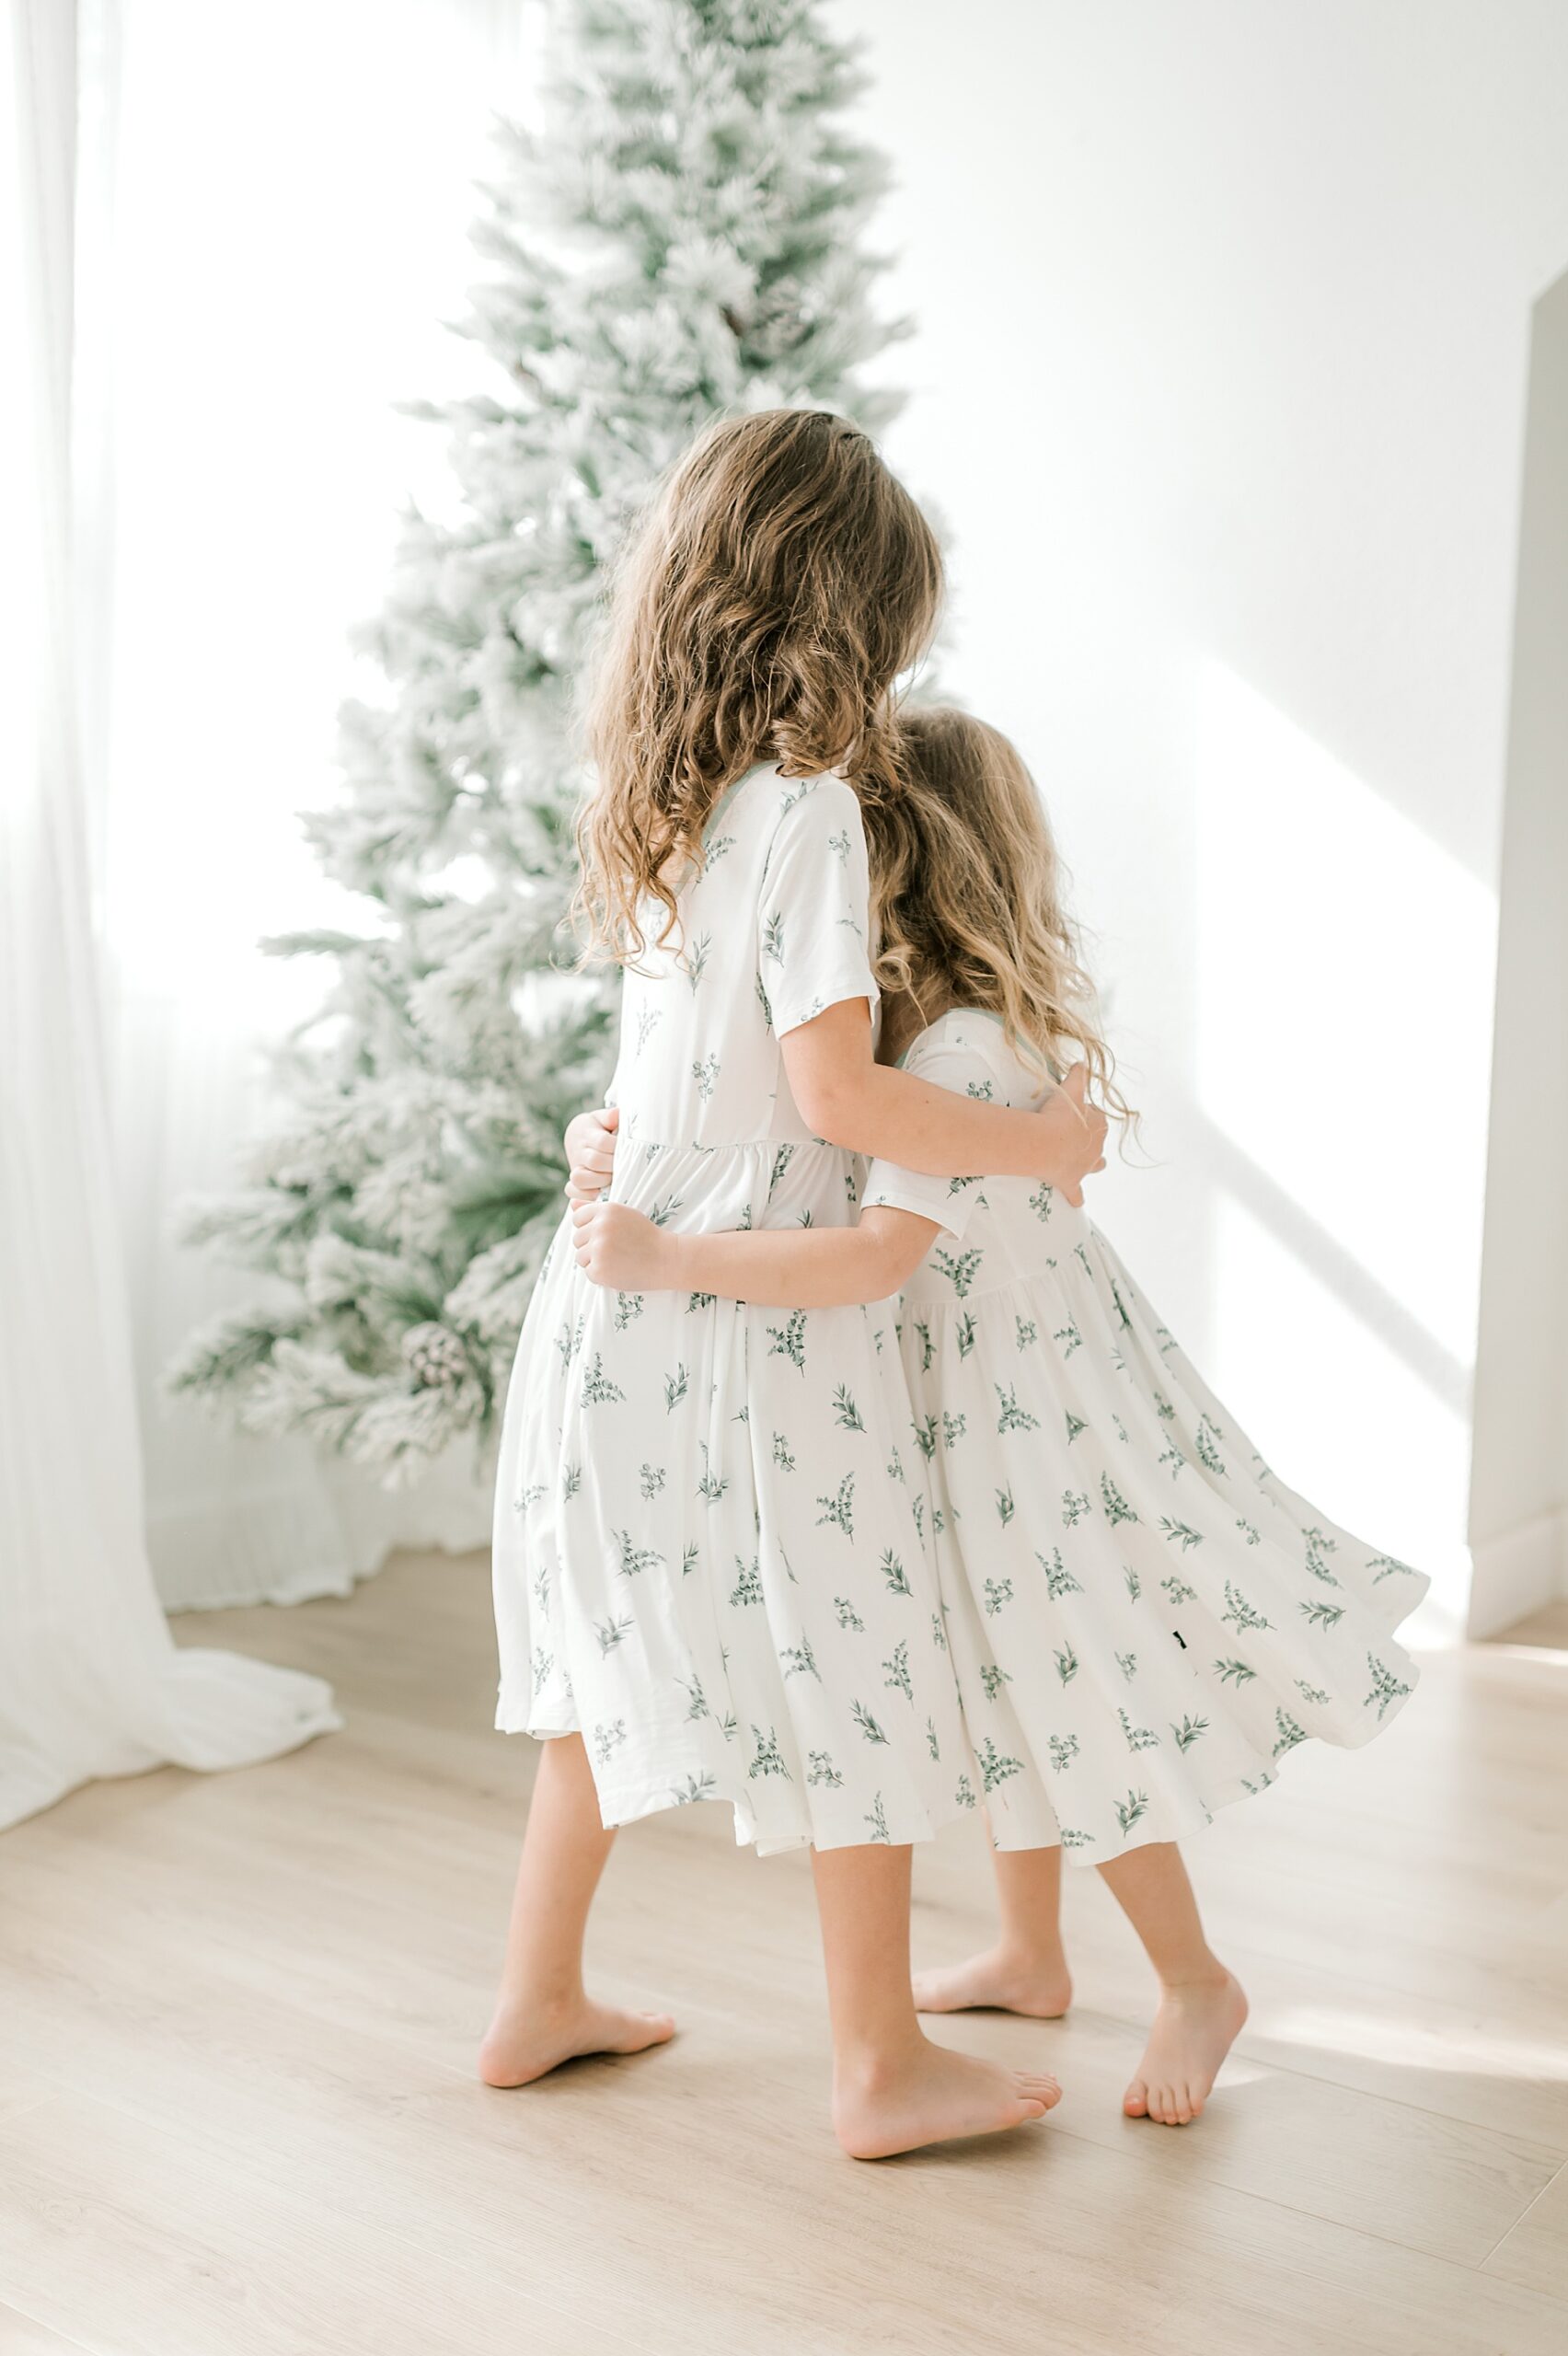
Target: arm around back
847	1097
791	1267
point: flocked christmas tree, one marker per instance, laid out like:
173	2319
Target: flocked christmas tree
680	239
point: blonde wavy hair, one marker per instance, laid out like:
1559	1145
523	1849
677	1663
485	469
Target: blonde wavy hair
972	912
780	582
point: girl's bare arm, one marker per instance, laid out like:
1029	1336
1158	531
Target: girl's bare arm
847	1097
790	1267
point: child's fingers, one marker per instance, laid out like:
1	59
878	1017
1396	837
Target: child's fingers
590	1151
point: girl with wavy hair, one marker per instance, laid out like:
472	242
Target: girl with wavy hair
1142	1619
712	1575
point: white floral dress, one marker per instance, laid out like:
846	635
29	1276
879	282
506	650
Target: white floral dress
711	1530
1142	1619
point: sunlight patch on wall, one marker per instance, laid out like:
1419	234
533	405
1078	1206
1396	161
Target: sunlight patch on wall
1344	995
1343	986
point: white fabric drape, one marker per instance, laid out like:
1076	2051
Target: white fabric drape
91	1681
274	207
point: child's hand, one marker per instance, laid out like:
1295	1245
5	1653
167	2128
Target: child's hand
1072	1135
619	1247
590	1143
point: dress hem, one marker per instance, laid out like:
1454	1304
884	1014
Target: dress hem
1175	1824
634	1802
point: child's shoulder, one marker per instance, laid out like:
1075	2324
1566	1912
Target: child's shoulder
803	818
967	1050
764	797
826	796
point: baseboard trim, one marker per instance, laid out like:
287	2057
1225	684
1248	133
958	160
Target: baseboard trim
1516	1575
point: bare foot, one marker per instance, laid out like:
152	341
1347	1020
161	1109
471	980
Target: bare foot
930	2096
1038	1986
521	2046
1194	2030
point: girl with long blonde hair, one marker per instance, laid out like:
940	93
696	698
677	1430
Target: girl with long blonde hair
1142	1618
712	1578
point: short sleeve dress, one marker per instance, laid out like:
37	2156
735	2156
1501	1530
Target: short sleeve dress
1144	1618
712	1534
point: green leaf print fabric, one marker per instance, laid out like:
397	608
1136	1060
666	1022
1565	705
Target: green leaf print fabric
711	1525
1142	1619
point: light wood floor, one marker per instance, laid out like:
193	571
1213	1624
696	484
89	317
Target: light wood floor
238	2116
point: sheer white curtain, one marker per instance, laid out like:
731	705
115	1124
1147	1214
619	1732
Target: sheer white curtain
274	208
90	1681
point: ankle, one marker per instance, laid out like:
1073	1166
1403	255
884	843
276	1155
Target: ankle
1201	1975
1029	1955
547	2000
867	2064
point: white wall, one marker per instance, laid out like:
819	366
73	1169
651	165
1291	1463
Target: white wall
1223	319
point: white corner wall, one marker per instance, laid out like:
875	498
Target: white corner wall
1520	1490
1219	367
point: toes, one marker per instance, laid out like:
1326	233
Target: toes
1134	2102
943	1992
641	2030
1033	2093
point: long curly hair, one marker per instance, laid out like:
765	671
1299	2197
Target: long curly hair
971	904
779	583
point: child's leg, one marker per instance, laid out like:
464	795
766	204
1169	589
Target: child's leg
1026	1971
543	2014
1201	2004
893	2090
